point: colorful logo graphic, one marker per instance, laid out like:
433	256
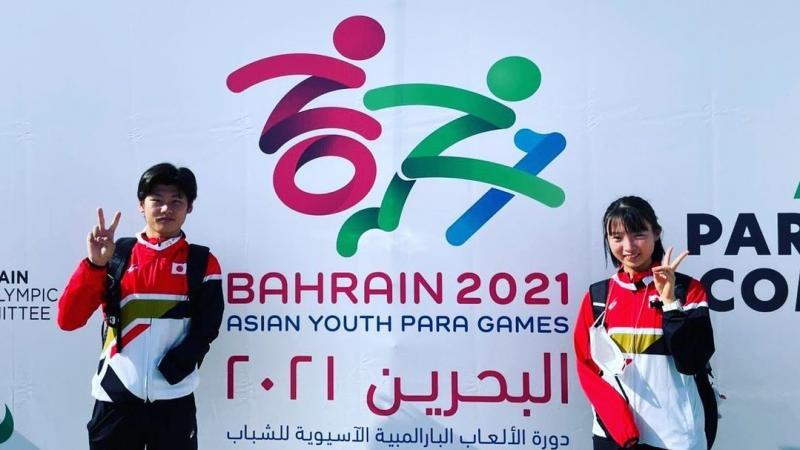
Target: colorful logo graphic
511	79
797	192
6	426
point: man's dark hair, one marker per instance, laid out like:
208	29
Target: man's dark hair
169	175
634	213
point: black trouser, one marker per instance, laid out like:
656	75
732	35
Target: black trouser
160	425
601	443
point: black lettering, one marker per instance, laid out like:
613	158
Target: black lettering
694	235
747	223
562	324
786	237
797	303
234	323
708	280
778	282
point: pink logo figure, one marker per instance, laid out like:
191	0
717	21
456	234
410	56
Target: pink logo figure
357	38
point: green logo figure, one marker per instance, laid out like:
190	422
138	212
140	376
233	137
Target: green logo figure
6	426
512	79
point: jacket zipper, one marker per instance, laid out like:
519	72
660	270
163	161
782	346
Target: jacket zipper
147	361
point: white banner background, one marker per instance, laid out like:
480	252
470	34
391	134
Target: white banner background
693	106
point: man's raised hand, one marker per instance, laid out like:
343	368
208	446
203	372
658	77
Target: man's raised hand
100	241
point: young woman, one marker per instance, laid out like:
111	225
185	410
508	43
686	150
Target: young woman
643	339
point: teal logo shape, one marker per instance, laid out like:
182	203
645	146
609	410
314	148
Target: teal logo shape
6	426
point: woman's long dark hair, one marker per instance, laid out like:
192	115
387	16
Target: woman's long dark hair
634	213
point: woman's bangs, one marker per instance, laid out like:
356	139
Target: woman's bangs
631	220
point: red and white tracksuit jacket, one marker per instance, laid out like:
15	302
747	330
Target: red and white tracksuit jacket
165	336
656	401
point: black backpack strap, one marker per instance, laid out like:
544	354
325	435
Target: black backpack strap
116	269
682	286
598	292
196	264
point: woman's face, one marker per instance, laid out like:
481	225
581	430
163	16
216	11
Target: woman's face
634	249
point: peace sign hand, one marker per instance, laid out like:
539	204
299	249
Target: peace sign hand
100	241
664	276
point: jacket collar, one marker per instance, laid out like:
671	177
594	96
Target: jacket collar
639	280
156	244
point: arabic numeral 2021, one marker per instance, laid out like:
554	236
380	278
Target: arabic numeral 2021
502	288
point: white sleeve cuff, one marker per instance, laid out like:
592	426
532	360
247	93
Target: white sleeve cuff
674	306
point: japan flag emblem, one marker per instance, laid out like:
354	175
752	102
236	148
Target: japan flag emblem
179	268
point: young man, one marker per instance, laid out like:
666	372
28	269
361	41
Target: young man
146	376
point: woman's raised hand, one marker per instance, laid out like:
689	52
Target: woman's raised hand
664	275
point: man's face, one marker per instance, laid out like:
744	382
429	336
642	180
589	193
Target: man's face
164	210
